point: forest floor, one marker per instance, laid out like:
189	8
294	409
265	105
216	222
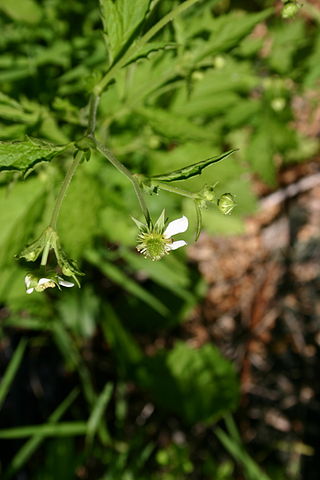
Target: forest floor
262	310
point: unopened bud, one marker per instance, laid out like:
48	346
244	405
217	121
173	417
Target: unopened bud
226	203
290	9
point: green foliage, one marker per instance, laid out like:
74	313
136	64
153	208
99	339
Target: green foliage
198	385
121	20
25	154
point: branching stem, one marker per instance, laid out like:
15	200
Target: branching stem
64	187
172	189
119	166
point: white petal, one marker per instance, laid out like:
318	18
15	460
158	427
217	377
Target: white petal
44	280
177	226
30	290
64	283
27	281
177	244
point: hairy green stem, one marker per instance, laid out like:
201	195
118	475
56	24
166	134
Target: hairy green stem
172	189
119	166
46	250
93	106
140	43
64	187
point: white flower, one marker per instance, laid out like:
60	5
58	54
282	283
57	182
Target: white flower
34	283
155	242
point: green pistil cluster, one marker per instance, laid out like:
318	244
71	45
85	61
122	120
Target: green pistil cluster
153	245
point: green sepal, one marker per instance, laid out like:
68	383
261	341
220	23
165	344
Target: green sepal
161	222
141	226
191	170
32	251
68	266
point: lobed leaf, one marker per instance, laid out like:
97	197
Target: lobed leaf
24	154
121	22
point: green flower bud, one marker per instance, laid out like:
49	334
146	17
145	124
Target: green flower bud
206	195
226	203
290	9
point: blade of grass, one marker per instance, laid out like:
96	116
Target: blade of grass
27	323
232	443
12	369
98	411
29	447
65	429
117	276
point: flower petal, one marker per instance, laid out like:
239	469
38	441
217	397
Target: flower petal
44	280
177	226
65	283
177	244
30	290
27	281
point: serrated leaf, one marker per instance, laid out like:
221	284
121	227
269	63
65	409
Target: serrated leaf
121	21
260	155
190	170
149	48
25	154
228	30
174	126
197	384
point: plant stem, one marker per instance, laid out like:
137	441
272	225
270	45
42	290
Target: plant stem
47	248
93	106
64	187
139	44
119	166
172	189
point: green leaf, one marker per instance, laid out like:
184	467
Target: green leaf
260	154
174	126
125	348
119	277
31	445
11	370
198	384
162	273
66	429
190	170
145	50
235	447
21	208
121	22
22	10
286	40
25	154
98	411
83	196
227	32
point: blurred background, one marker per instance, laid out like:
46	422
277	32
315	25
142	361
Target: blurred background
203	365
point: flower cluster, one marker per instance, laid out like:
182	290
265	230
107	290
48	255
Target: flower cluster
49	240
39	284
